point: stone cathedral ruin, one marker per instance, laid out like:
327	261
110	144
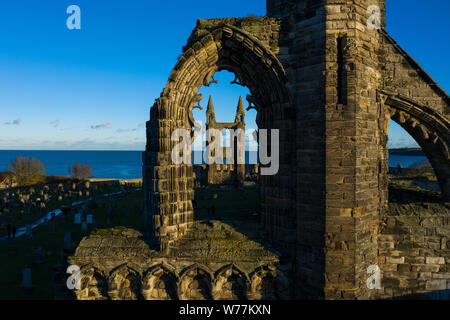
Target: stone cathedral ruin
330	84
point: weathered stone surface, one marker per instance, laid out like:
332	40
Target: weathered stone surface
412	258
213	261
330	85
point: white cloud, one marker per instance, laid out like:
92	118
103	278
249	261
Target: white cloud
125	130
102	126
55	123
16	122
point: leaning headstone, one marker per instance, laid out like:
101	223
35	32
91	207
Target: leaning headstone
29	231
51	226
77	218
26	278
67	237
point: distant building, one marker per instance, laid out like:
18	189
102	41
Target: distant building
226	173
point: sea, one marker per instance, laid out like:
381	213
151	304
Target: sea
124	164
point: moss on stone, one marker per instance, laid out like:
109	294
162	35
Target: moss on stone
402	193
116	232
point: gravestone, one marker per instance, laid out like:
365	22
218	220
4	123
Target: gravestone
26	278
29	231
89	219
84	226
51	226
77	218
67	237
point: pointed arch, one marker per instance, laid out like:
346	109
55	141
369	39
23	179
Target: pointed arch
168	187
195	283
268	283
230	283
124	283
93	283
431	131
160	283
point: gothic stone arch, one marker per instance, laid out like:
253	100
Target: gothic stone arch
268	283
416	102
169	188
195	283
160	283
93	283
230	283
124	283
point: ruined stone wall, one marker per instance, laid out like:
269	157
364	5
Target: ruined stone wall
265	29
414	251
419	105
224	173
330	84
216	264
333	71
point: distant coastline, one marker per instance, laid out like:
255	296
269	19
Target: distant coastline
407	152
128	164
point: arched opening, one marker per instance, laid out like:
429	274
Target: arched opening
159	284
411	175
426	163
226	189
169	187
195	284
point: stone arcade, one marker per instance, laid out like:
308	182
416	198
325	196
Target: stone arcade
331	85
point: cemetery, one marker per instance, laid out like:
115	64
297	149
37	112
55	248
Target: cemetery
32	261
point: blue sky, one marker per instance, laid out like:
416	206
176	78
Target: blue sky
91	89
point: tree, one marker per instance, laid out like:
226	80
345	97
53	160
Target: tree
80	171
26	171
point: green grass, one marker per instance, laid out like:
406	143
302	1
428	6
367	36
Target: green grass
230	207
18	218
18	254
402	193
228	202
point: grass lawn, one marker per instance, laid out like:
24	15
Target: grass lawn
233	206
18	254
236	207
18	218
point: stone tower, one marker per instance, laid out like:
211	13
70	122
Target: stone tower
239	123
333	69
